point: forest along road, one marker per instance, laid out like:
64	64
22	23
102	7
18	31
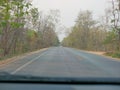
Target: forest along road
64	62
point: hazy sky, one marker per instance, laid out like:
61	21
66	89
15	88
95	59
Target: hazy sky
69	9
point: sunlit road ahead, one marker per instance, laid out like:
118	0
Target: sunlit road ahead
64	62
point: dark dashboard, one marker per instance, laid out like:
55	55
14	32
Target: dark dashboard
17	82
30	86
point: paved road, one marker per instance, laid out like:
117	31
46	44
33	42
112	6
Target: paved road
64	62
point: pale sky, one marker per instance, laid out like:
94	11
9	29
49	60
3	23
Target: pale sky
69	9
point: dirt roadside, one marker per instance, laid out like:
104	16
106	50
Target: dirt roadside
102	54
10	60
96	52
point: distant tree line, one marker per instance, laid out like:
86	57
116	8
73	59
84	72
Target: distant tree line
98	35
23	28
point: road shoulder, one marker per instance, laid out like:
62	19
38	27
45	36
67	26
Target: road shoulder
10	60
100	53
103	54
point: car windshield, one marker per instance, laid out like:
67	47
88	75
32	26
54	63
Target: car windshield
60	39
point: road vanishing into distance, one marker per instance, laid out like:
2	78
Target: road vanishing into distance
64	62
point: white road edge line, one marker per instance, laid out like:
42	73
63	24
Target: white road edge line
24	65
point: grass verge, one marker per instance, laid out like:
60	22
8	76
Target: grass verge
113	54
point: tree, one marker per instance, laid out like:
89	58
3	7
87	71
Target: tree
23	28
86	34
116	19
114	25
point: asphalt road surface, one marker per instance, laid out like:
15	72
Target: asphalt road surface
64	62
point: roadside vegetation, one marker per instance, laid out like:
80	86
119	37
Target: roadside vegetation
23	28
101	34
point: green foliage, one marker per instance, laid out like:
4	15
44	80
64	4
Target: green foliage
116	55
0	31
34	15
56	41
113	54
23	29
111	37
31	33
3	23
85	34
16	25
112	21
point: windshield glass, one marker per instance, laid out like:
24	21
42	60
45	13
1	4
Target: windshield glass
60	38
